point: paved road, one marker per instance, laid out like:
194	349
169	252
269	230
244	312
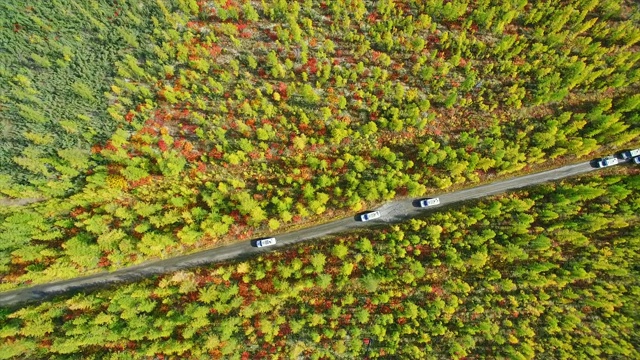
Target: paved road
390	212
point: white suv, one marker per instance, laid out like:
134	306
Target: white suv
629	154
607	161
265	242
429	202
370	215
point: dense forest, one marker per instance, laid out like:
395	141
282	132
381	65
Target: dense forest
547	272
58	60
148	129
137	130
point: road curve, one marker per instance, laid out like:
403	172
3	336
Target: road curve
390	212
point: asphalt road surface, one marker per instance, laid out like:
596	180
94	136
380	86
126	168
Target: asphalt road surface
390	212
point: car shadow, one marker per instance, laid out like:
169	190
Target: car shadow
416	203
594	163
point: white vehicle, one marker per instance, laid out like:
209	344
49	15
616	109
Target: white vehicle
429	202
370	215
636	159
607	161
265	242
628	154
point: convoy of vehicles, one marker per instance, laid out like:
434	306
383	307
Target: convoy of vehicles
633	155
629	154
